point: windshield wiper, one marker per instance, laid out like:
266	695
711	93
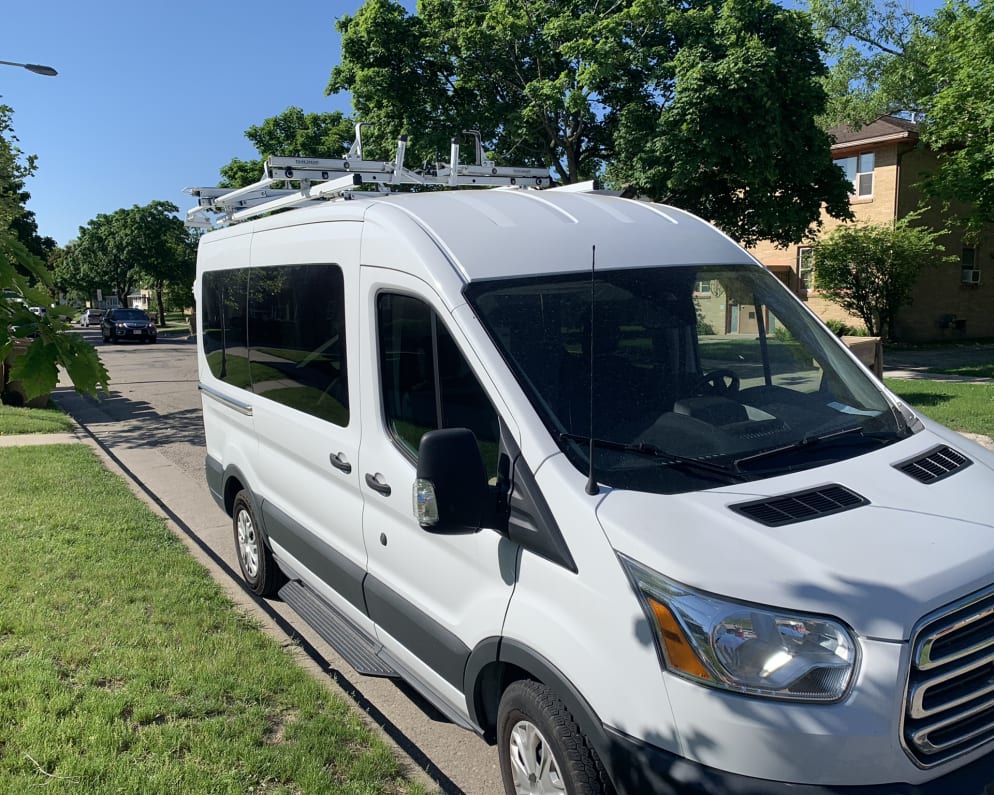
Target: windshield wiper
729	473
813	439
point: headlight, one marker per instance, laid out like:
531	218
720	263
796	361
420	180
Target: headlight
742	647
122	325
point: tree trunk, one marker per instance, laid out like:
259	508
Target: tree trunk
158	300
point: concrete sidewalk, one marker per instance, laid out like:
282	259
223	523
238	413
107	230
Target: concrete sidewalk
923	374
32	439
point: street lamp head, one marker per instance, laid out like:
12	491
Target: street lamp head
38	69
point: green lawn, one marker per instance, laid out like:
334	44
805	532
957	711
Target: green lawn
963	407
15	420
124	668
175	322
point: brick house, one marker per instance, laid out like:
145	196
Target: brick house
884	160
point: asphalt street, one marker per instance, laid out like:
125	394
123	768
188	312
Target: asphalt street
149	428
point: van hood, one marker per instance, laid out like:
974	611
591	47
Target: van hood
911	548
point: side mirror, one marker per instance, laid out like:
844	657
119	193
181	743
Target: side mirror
450	493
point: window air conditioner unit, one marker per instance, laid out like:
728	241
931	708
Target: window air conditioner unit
970	276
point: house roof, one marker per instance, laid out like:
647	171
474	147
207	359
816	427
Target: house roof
885	128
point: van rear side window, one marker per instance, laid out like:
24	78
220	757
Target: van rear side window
280	332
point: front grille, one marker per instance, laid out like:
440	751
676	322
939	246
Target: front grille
950	703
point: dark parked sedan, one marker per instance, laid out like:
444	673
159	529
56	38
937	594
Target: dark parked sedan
127	324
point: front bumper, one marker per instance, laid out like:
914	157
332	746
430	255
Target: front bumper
638	767
135	333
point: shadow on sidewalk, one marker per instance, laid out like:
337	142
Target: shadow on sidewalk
138	424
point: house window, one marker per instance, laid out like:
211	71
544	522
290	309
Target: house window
969	273
859	171
805	267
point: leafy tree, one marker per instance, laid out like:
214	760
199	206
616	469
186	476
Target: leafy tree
706	104
879	52
957	123
165	249
736	142
145	245
291	134
17	218
518	72
24	281
870	270
105	255
937	69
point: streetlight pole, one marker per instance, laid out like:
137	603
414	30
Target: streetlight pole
38	69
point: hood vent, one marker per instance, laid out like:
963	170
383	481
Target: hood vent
936	464
801	505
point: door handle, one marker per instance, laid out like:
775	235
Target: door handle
339	462
375	482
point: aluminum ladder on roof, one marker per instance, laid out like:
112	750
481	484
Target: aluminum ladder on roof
325	178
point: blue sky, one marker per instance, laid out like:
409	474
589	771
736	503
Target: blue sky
154	97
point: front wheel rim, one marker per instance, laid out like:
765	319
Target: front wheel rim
248	544
534	768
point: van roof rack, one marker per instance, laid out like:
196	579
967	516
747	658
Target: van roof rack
325	178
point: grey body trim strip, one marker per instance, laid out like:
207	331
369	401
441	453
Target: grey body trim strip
215	479
232	403
442	651
327	563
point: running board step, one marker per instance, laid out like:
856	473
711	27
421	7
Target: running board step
356	648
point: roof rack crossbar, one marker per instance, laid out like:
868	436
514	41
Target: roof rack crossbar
305	194
330	177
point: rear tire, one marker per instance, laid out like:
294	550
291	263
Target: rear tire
541	748
255	560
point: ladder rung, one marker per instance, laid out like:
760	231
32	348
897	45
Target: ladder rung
323	190
326	177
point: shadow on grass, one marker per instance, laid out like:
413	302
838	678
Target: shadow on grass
920	399
980	371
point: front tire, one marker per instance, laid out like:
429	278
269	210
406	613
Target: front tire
254	558
541	748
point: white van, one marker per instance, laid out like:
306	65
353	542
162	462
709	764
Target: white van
597	485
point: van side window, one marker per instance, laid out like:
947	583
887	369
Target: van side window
280	332
224	295
296	333
426	381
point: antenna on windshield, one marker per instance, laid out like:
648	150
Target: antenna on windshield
592	487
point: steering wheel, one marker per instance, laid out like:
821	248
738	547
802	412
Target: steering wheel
717	383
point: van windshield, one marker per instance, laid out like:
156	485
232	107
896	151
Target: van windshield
683	378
